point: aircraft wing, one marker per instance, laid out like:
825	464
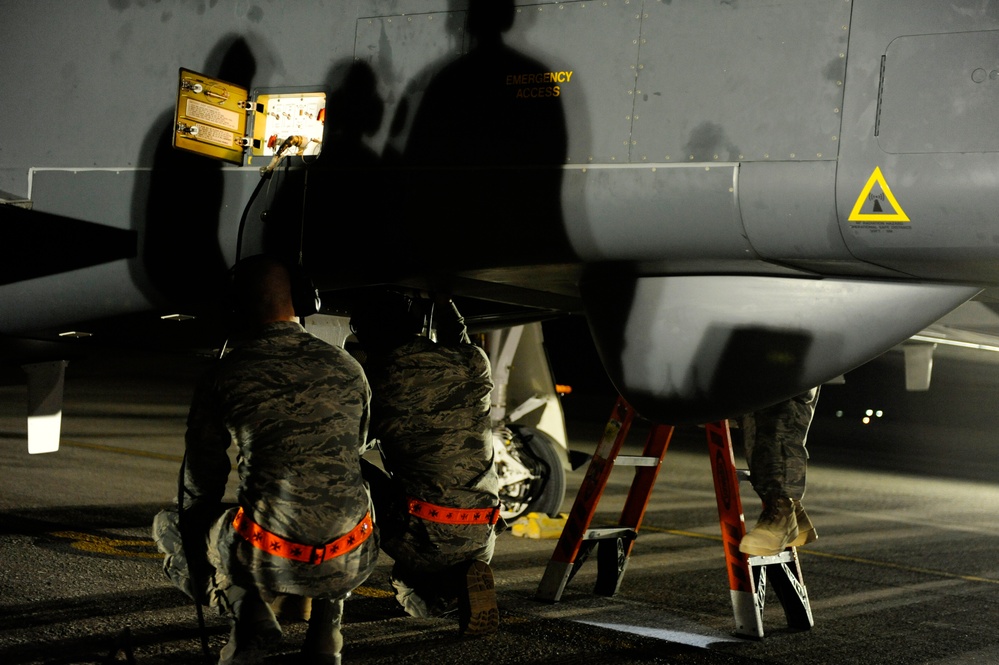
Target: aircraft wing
973	325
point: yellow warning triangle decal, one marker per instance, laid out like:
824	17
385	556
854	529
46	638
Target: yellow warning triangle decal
876	202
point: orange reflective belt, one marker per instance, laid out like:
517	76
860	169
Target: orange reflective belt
446	515
274	544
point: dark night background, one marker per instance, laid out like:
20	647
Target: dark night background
947	431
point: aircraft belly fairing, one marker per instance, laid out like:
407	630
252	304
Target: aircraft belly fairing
698	349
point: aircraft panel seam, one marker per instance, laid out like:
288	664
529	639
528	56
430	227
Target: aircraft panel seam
881	90
649	165
635	89
111	169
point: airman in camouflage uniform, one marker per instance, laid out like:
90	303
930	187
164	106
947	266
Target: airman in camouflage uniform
774	440
297	409
430	413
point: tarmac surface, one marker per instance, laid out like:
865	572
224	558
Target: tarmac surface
905	571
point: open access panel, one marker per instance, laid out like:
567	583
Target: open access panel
222	120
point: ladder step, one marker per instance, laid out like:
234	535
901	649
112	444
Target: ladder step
636	460
608	533
787	556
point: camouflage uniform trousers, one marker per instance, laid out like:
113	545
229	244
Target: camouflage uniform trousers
430	563
774	441
430	411
178	558
427	555
224	570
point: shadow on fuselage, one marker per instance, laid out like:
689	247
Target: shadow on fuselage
484	158
184	202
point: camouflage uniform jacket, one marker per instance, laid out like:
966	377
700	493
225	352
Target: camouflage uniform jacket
430	411
298	410
774	444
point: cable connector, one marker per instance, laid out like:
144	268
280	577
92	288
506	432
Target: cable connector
293	141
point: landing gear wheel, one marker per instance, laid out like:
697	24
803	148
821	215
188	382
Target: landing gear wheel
542	488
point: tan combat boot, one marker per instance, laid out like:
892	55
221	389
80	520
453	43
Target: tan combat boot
776	528
806	532
254	628
477	610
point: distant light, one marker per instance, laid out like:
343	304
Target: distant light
879	413
839	414
43	433
74	333
177	317
869	412
866	420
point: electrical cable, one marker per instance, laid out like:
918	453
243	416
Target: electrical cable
265	175
266	172
184	542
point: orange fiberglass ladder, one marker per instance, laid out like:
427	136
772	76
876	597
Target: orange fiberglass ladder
748	576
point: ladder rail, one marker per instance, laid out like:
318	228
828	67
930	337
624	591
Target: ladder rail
563	563
640	493
592	487
748	576
733	522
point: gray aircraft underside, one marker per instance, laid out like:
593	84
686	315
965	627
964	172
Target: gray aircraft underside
746	198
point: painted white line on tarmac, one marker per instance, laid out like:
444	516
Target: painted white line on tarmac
679	637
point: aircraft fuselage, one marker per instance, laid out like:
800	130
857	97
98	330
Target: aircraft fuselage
802	183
